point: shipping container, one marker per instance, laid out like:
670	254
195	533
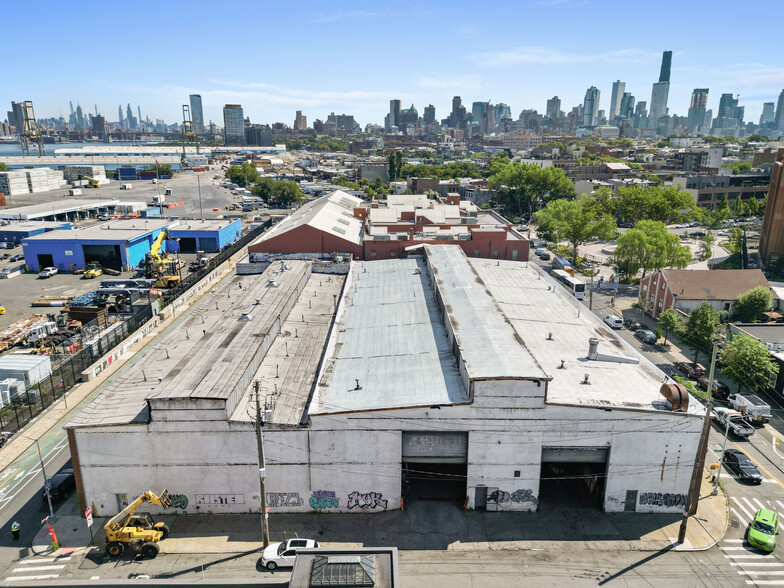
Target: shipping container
30	369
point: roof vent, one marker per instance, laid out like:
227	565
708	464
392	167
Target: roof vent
246	316
677	396
585	381
271	284
593	354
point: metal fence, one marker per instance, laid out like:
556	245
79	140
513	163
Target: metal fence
97	338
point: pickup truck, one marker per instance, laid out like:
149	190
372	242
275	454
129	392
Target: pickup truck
751	406
737	423
47	272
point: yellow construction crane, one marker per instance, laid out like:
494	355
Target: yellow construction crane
92	182
160	268
139	532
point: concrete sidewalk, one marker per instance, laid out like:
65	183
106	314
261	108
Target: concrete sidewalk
423	526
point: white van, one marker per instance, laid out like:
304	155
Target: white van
613	321
126	187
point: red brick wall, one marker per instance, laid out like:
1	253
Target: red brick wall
306	239
485	244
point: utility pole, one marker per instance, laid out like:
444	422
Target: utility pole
699	462
721	461
201	210
262	471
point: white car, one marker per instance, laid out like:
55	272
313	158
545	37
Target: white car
47	272
283	554
104	217
613	321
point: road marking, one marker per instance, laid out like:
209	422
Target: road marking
766	582
765	572
37	569
759	504
749	556
32	474
758	464
740	506
44	560
755	564
781	504
737	515
749	503
25	578
732	540
736	549
766	481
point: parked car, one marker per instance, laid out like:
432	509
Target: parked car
613	321
283	554
737	423
104	217
646	336
63	483
763	530
697	234
691	370
632	324
741	465
720	389
47	272
17	257
545	256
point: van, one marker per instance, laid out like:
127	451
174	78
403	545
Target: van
126	187
613	322
155	180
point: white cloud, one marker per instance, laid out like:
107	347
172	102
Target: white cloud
550	56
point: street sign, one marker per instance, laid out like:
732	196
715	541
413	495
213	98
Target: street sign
89	516
48	484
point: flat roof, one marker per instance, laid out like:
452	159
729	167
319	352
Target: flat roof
766	332
27	226
389	339
33	211
204	225
118	230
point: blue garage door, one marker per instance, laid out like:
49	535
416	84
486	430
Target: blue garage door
209	244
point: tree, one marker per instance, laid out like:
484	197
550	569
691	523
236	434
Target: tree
735	242
243	175
520	185
752	304
737	208
669	320
757	138
576	222
4	167
702	329
752	207
264	189
164	169
395	165
288	191
707	243
747	363
724	203
665	204
650	246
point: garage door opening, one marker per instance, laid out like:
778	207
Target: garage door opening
188	244
435	466
106	255
45	260
573	478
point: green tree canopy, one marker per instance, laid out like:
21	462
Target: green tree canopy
283	191
395	165
664	204
576	222
520	185
747	363
4	167
750	305
702	329
242	175
444	171
649	246
669	320
724	204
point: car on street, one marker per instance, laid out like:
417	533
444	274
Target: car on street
632	324
741	465
737	424
545	256
17	257
697	234
646	336
613	321
692	370
720	389
763	530
47	272
62	484
104	217
282	555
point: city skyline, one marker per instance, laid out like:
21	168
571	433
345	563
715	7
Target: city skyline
402	65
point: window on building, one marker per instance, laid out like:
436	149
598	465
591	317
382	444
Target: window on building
645	287
476	252
662	287
514	254
660	305
393	254
495	253
372	254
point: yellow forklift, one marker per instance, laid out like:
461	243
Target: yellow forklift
139	532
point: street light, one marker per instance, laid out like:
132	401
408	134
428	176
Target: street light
43	471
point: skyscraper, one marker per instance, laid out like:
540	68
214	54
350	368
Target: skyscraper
768	113
394	112
233	124
16	116
591	107
430	114
79	117
502	111
730	116
120	117
553	107
661	90
618	90
197	114
300	122
457	102
626	109
139	110
780	112
696	119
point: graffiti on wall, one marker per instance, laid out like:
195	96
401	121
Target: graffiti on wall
220	499
323	499
498	496
523	496
278	499
179	501
368	500
662	499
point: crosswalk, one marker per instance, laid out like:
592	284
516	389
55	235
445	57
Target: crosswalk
34	569
757	567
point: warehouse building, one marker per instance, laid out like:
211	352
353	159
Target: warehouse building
66	210
209	236
439	376
15	232
119	245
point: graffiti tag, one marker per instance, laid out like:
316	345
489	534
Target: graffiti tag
369	500
179	501
498	496
323	499
662	499
278	499
523	496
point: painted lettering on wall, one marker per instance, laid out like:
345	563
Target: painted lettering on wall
368	500
179	501
662	499
278	499
498	496
220	499
323	499
526	495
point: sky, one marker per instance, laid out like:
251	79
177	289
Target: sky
353	57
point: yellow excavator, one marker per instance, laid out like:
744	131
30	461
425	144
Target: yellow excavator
92	182
161	269
139	532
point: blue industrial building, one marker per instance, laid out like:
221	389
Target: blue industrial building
119	245
15	232
209	236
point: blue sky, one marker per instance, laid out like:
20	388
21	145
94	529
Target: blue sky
352	57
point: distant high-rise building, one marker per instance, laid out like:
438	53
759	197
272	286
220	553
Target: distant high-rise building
79	117
197	114
394	112
618	89
591	107
729	120
233	124
501	111
430	114
407	117
697	108
99	126
139	120
478	110
120	119
457	103
553	107
300	122
768	113
779	118
626	108
664	74
16	116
